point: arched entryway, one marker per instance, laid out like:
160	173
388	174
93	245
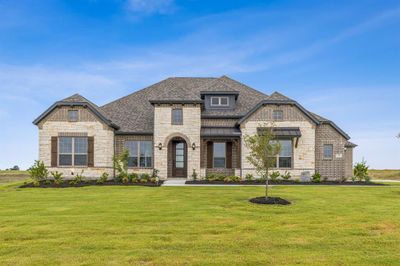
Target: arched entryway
177	157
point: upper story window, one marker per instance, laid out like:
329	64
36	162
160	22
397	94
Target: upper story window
219	101
73	151
140	153
177	116
328	151
219	154
73	115
277	115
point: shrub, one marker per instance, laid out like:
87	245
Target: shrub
316	177
367	179
120	163
215	177
274	176
125	178
134	178
144	178
79	178
232	179
353	178
343	179
261	179
194	175
103	178
249	177
57	177
360	171
286	176
154	176
38	172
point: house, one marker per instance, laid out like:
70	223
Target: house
181	125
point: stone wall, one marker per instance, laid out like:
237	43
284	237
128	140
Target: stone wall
164	131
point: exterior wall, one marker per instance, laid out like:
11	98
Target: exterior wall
207	122
87	124
348	168
337	167
119	148
303	156
164	131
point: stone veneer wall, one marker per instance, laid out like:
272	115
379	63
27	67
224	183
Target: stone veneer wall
87	124
119	148
341	163
164	131
303	155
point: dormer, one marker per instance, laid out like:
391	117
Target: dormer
221	100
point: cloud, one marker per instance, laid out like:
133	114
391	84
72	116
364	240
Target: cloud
149	7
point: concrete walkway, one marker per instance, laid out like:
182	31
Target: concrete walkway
172	182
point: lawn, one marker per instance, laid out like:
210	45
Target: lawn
199	225
12	176
385	174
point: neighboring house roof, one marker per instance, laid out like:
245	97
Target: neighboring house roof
77	100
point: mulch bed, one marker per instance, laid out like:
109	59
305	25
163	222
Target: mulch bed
90	183
270	200
283	182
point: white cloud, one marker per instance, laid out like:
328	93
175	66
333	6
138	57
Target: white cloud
151	6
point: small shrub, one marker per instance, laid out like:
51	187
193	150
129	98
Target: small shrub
215	177
353	179
316	177
38	172
194	175
360	171
79	178
120	164
249	177
274	176
232	179
286	176
343	179
144	178
125	178
103	178
57	177
367	179
133	178
261	180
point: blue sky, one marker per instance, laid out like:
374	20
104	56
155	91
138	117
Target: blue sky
340	59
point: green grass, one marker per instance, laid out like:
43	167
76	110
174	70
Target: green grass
385	174
199	225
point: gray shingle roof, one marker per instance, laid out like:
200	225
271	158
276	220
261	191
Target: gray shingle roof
134	113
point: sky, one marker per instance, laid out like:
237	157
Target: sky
339	59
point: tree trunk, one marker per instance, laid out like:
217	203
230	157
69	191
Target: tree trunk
266	185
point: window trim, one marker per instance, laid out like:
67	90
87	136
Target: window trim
219	101
273	115
213	161
73	153
77	115
291	156
172	116
138	154
323	152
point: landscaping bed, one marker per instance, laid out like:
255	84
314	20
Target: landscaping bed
66	184
282	182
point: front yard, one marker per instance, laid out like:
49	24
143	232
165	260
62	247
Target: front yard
199	225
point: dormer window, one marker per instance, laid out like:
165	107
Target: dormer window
73	115
219	101
277	115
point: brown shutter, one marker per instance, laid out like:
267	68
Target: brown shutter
210	150
229	155
90	151
54	151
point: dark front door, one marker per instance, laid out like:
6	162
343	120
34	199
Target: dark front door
179	159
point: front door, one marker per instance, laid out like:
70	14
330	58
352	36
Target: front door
179	159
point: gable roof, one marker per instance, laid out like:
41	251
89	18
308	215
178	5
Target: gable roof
135	113
324	120
77	100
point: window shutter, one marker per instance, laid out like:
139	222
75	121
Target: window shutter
210	147
90	151
229	155
54	151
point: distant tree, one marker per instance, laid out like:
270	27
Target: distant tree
15	168
263	151
398	136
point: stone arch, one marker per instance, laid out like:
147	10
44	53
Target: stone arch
176	135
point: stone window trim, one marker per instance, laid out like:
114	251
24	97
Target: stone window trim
73	115
220	100
73	153
325	158
292	157
138	167
173	118
277	115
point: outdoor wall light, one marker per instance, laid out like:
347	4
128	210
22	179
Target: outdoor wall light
160	146
193	146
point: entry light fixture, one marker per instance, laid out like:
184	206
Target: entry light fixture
193	146
160	146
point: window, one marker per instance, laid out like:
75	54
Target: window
328	151
284	158
177	116
219	101
219	154
277	115
73	115
73	151
140	153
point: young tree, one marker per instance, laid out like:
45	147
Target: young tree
263	151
